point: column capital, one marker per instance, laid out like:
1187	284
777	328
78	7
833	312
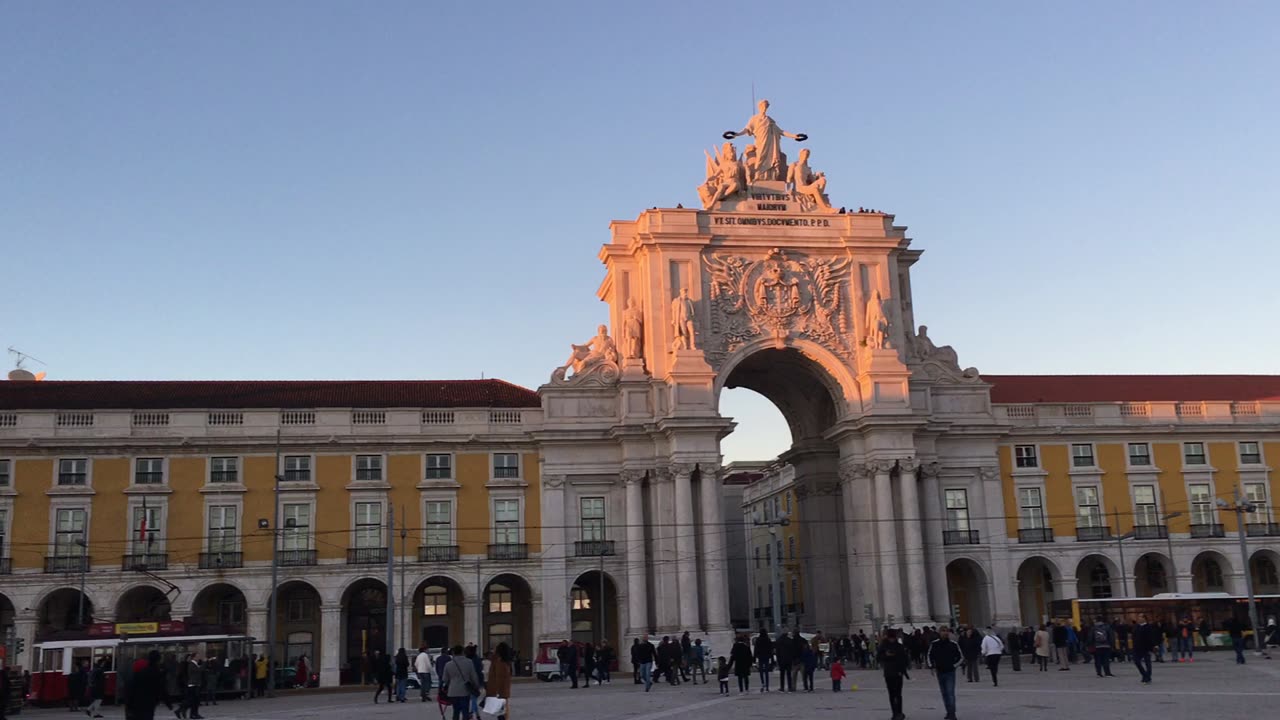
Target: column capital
552	482
631	476
907	466
821	489
881	466
682	468
853	472
660	476
989	473
930	469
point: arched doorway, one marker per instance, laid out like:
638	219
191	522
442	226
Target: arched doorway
297	624
58	612
364	619
1097	577
508	615
438	612
1211	572
6	615
1152	575
143	603
1264	568
220	607
1037	581
585	603
967	587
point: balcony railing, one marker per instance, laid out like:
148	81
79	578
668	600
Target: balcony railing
367	556
220	560
1209	530
296	557
1092	534
1150	532
959	537
66	563
145	561
592	548
509	551
6	566
437	553
1262	529
1035	535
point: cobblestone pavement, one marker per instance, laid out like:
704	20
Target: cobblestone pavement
1212	687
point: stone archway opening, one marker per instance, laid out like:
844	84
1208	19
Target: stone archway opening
364	622
1211	572
1152	575
508	615
6	615
967	588
1264	569
143	603
1038	580
586	604
297	624
438	613
58	612
1097	578
220	607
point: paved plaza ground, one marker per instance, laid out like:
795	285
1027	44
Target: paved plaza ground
1213	687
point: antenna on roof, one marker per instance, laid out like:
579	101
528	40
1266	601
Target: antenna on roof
481	374
21	356
20	373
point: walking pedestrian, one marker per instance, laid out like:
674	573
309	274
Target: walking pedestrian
422	668
402	675
98	688
1101	638
1042	644
722	674
686	653
1186	640
784	650
1014	648
944	655
697	661
764	658
893	660
1061	645
992	648
740	658
809	664
498	684
642	655
382	673
145	689
837	674
588	663
190	707
460	683
1145	637
1235	629
635	661
77	685
971	648
604	664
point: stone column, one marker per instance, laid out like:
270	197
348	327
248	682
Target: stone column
890	578
637	577
555	570
24	626
715	572
931	530
863	582
913	545
1002	596
686	547
257	622
330	645
661	568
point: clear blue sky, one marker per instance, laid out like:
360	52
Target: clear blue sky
419	189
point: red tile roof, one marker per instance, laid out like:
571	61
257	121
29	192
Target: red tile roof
1131	388
237	394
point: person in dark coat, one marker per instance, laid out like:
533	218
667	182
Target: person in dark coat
588	663
382	673
971	648
893	660
146	689
604	663
764	659
809	664
686	651
1013	645
402	675
740	659
635	661
1145	638
785	651
77	684
97	688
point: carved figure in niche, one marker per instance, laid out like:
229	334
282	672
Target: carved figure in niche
924	349
682	314
597	351
877	323
770	163
726	177
632	331
809	187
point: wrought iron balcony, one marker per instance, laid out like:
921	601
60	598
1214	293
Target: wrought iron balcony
592	548
296	557
6	566
1035	535
1092	534
959	537
66	564
1150	532
145	561
367	556
509	551
437	553
220	560
1262	529
1208	530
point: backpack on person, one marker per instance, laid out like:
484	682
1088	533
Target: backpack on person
1099	636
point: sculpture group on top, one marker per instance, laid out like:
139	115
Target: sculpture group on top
730	175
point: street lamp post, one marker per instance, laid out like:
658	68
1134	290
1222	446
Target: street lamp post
1240	507
782	520
1172	582
84	565
1124	579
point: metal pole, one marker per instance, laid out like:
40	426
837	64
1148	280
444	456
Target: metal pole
404	534
391	580
1124	578
84	564
1259	642
602	620
272	604
773	578
1171	583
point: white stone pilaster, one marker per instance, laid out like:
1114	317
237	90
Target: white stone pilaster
913	545
935	557
686	547
554	579
330	645
666	612
637	574
715	574
257	622
890	579
472	632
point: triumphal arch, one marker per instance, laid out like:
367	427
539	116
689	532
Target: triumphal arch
773	287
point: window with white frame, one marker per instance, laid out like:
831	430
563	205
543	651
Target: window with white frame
296	533
1249	454
300	609
439	523
1201	503
1031	508
1088	507
148	471
957	509
297	468
368	525
1256	495
770	594
1082	455
506	522
369	468
1193	453
795	590
231	612
73	471
581	600
1024	456
69	526
146	529
222	528
435	601
500	597
506	465
1139	454
1145	511
592	518
5	477
224	470
439	466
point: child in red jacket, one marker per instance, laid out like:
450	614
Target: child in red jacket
837	674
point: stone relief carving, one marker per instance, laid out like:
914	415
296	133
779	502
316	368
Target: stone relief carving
808	187
553	482
930	469
726	176
939	363
907	466
595	360
989	473
877	322
854	473
822	489
632	331
779	295
683	312
881	466
766	161
660	475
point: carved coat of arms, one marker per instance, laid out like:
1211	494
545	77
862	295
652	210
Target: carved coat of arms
780	295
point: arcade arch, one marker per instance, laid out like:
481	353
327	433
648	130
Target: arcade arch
508	614
1264	568
969	591
438	612
1152	575
1038	579
1097	577
222	605
364	623
585	604
143	603
1211	572
58	611
298	623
